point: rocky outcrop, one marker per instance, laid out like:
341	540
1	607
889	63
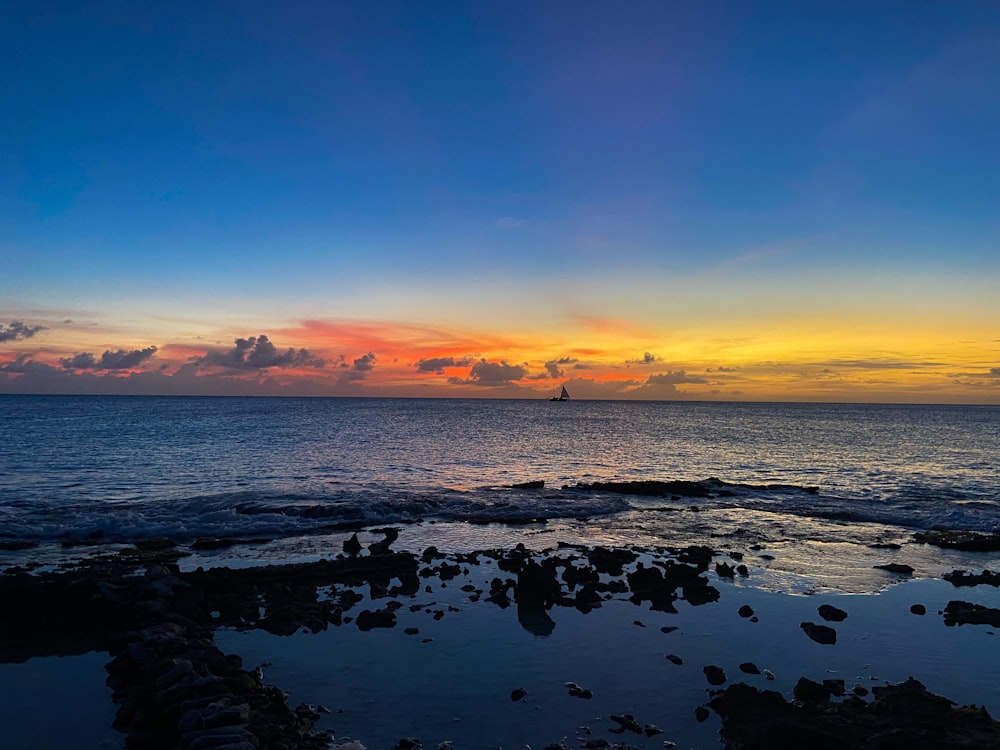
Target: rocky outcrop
900	716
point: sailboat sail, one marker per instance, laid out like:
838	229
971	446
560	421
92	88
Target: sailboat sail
564	396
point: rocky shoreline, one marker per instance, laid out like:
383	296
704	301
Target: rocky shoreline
175	688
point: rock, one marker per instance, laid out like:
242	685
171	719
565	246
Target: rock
651	730
352	546
898	568
626	722
745	611
578	692
768	674
748	667
966	613
535	484
832	614
807	690
715	675
963	578
918	609
648	488
820	633
901	716
381	618
970	541
517	694
674	659
701	713
725	570
411	631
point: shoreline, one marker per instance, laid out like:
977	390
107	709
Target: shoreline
488	624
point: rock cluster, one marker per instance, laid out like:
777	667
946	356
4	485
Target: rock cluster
900	716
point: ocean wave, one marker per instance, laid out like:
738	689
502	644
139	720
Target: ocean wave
261	513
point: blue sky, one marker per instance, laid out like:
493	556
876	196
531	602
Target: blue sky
324	159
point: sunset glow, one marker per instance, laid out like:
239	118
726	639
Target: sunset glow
668	202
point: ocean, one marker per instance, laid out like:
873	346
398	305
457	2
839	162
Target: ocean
80	472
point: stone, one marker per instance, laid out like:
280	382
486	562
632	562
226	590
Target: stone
918	609
966	613
820	633
674	659
715	675
897	568
832	614
748	667
517	694
745	611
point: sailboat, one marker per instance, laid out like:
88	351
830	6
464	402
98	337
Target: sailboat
564	396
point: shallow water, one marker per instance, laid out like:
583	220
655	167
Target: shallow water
384	685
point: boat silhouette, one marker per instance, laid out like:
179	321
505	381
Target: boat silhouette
564	396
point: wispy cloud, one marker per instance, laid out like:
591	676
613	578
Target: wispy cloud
258	353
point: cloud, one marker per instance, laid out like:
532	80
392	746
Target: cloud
554	369
437	364
365	362
18	331
674	378
258	353
510	222
647	359
359	370
492	374
119	360
720	368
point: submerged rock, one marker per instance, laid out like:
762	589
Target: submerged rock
970	541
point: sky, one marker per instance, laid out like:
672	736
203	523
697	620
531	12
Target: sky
767	201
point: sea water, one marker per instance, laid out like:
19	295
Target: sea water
106	470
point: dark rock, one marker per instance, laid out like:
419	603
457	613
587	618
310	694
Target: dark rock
725	570
748	667
745	611
969	541
674	659
578	692
536	484
382	547
411	631
807	690
963	578
648	488
651	730
352	546
517	693
701	713
820	633
626	722
715	675
966	613
835	686
743	570
832	614
537	585
898	568
918	609
901	716
381	618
